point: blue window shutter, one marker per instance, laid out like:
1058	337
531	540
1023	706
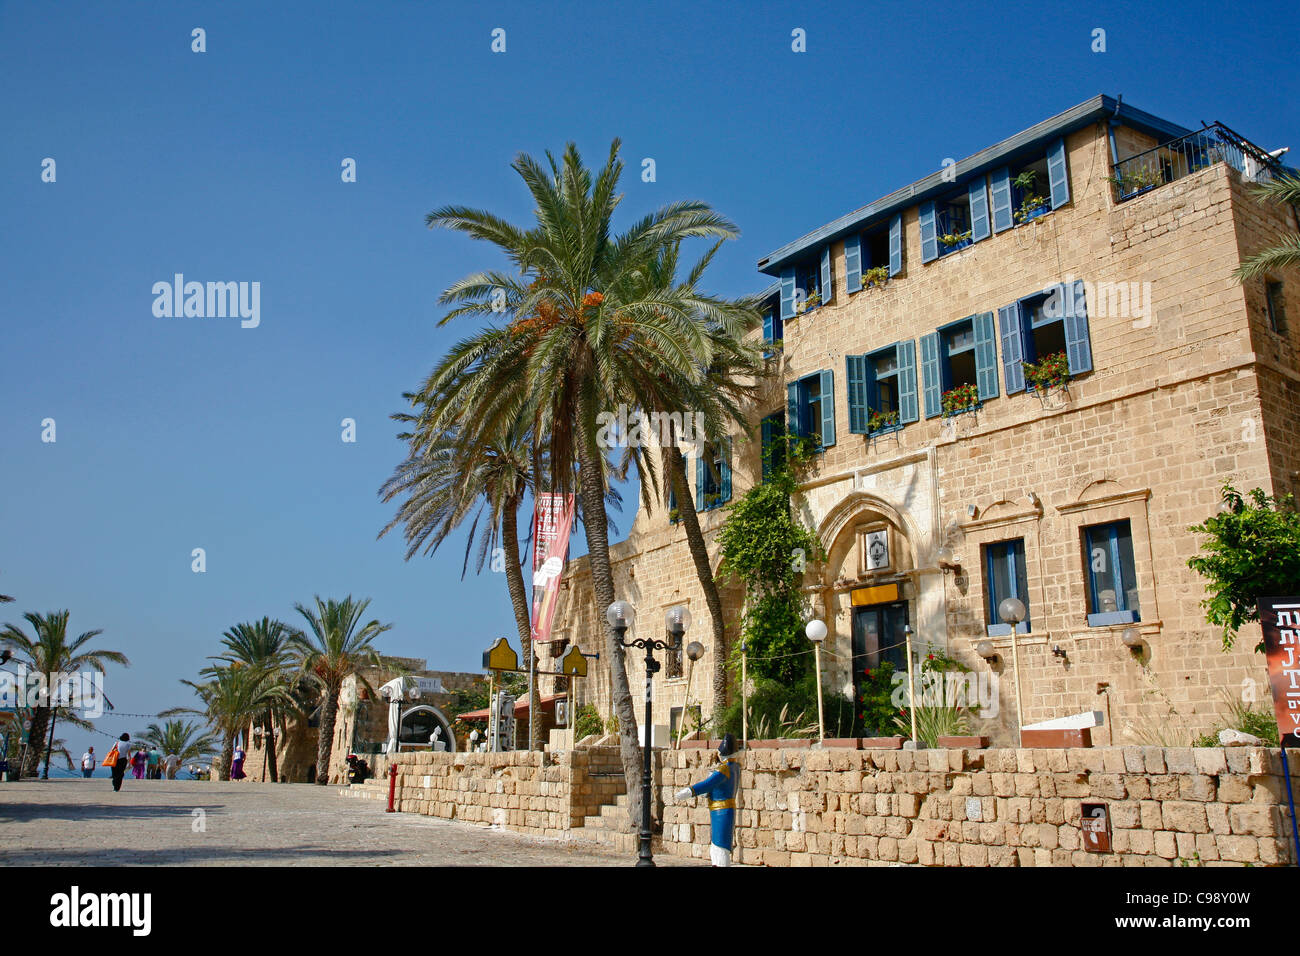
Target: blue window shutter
986	355
1078	346
767	326
907	406
979	209
787	293
828	276
1058	176
855	367
929	239
853	263
699	479
725	476
828	407
896	245
930	374
1000	186
1013	348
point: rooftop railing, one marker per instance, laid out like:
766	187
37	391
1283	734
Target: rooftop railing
1189	154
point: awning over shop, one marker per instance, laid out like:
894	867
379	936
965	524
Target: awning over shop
521	708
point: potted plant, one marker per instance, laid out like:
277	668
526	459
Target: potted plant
1138	180
875	277
814	299
880	421
963	398
954	240
1052	371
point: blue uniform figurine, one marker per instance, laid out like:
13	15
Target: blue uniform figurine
721	787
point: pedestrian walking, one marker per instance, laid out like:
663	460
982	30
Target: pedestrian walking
138	762
237	765
88	762
154	762
119	756
171	763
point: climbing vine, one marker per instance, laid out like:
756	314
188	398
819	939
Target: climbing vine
765	548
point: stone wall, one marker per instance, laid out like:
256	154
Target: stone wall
832	807
1210	805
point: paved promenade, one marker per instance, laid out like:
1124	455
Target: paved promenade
77	822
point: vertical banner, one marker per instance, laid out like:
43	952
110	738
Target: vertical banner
1279	618
552	522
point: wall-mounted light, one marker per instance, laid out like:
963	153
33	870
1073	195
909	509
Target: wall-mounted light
1132	639
947	560
972	511
986	650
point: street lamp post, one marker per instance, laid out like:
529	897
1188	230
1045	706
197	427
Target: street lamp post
816	632
694	651
1012	611
620	616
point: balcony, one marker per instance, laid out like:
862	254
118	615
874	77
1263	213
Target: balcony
1190	154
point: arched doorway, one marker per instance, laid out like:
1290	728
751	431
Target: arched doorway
419	723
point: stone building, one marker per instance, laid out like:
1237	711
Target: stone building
361	725
1105	237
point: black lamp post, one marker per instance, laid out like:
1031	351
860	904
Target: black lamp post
620	616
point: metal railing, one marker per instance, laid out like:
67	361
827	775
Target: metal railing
1190	154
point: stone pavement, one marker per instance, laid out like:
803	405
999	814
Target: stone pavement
78	822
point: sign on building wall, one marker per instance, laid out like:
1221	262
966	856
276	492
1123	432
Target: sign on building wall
1279	618
552	521
877	544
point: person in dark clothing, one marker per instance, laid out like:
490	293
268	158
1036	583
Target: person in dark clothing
123	758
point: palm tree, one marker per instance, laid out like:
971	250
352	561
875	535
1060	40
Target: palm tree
335	649
1283	189
585	334
444	482
47	651
267	646
232	695
188	740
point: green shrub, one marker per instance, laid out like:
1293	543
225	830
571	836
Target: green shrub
588	722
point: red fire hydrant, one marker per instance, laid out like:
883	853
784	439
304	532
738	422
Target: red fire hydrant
392	785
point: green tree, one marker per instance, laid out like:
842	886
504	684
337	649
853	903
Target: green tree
267	646
584	335
337	646
1252	550
47	650
188	740
232	695
1283	190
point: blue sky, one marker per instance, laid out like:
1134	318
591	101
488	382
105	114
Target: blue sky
179	433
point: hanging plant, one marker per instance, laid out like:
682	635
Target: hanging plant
879	421
877	277
1053	371
954	238
960	399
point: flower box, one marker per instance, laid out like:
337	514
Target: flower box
963	398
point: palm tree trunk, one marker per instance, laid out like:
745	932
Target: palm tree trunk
519	602
227	756
329	707
703	570
591	486
270	742
35	741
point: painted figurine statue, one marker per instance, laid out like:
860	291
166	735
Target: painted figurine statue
721	786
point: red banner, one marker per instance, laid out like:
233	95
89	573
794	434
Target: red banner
552	522
1279	618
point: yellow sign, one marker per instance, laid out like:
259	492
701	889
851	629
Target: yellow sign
880	594
573	663
501	657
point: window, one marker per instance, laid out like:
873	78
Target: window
773	326
673	516
1051	322
1005	577
774	443
882	388
952	221
1276	316
810	408
1030	194
876	254
1112	578
808	279
963	353
1030	187
713	477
